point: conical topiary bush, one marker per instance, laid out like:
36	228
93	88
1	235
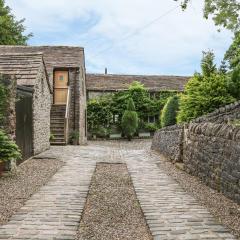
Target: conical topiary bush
130	120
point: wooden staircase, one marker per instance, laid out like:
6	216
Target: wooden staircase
57	124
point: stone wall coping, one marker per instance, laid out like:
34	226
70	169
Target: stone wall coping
218	112
225	131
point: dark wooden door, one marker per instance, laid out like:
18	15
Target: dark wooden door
24	126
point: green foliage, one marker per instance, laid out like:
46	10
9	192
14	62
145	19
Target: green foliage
169	112
11	30
151	127
3	100
224	13
107	111
74	136
100	132
99	112
8	149
234	83
130	120
207	64
52	137
233	53
204	93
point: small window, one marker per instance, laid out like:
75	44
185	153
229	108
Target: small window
151	119
61	77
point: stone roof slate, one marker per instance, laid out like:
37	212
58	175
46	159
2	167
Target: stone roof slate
114	82
24	66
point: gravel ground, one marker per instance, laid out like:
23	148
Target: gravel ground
112	210
17	189
224	209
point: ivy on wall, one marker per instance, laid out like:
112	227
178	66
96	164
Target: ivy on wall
105	112
3	99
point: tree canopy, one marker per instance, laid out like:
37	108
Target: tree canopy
233	53
206	91
225	13
12	31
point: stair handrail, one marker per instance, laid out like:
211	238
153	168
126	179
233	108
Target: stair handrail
67	113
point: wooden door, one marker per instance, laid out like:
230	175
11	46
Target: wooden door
24	126
60	87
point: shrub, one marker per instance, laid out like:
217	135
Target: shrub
74	137
152	127
169	113
8	149
100	132
130	120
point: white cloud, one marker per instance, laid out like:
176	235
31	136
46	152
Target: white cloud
172	45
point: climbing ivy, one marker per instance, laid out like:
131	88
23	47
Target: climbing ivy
3	99
107	111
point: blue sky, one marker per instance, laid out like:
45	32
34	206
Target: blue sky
123	36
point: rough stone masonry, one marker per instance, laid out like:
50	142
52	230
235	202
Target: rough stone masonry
209	147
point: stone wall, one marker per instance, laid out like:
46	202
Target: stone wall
209	147
212	152
169	142
41	113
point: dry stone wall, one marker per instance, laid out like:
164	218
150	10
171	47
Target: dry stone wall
169	141
212	152
209	147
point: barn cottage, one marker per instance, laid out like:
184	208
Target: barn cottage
57	76
29	71
100	84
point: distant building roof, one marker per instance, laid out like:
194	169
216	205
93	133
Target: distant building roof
114	82
24	66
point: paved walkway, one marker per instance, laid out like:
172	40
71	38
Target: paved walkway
55	211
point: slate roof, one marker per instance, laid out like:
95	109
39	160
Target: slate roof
54	56
113	82
24	66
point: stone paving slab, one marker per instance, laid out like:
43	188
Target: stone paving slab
54	212
171	213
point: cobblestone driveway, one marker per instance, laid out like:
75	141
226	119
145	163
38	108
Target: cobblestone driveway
55	211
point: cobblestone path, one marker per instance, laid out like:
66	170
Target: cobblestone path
55	211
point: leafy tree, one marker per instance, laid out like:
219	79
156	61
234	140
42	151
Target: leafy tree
169	112
233	53
204	92
8	149
207	64
11	30
234	83
225	13
130	120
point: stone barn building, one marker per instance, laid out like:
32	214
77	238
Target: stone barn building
29	71
100	84
63	108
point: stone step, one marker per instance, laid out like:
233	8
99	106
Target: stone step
58	143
